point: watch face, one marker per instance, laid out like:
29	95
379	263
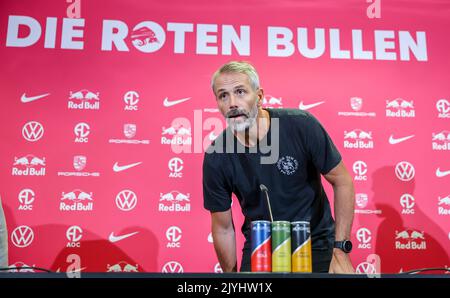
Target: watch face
348	246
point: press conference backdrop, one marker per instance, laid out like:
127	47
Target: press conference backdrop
107	110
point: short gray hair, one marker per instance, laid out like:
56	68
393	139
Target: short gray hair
238	67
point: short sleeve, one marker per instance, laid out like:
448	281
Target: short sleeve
324	154
216	186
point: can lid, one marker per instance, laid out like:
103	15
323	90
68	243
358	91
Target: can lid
258	221
299	222
280	221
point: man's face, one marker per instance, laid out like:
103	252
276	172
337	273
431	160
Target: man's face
236	100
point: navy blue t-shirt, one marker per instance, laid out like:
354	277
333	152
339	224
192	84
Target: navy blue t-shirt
294	180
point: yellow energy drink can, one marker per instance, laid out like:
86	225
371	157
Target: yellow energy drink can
281	246
301	247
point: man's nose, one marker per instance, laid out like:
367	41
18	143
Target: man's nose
233	102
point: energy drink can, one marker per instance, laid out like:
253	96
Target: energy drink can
281	246
301	247
261	259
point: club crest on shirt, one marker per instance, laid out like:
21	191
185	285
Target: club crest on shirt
287	165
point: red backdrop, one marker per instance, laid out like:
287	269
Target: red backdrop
97	98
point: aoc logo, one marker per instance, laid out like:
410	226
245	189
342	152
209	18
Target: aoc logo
131	99
443	107
287	165
173	234
26	198
364	237
32	131
82	131
74	235
407	201
360	170
175	167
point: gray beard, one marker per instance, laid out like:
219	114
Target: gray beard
247	123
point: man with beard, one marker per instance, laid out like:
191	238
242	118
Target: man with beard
234	164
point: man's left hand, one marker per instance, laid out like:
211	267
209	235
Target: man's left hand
340	263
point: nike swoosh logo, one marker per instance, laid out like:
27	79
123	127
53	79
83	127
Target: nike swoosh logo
118	168
302	106
113	238
210	238
394	141
442	174
26	99
170	103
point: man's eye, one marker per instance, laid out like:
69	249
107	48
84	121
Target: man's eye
240	91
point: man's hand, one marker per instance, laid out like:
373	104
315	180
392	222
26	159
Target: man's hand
340	263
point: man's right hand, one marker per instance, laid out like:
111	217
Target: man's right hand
224	240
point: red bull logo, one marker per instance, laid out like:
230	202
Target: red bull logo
358	139
444	205
400	108
174	201
441	141
177	134
270	101
21	267
122	267
84	100
410	240
76	200
28	165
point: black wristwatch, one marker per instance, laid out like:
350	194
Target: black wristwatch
346	245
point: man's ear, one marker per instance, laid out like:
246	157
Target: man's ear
260	97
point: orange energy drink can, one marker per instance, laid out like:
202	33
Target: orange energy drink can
281	246
301	247
261	246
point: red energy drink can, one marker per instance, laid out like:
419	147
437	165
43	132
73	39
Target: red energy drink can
261	246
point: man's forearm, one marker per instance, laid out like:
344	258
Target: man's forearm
225	246
344	208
